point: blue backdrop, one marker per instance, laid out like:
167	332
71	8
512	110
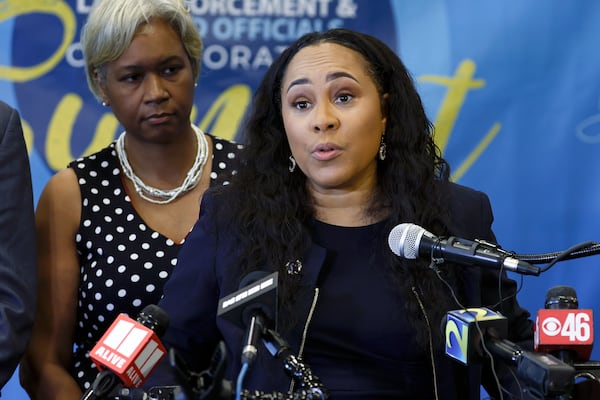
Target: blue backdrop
513	88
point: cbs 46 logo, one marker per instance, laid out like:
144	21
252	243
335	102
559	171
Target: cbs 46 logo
575	326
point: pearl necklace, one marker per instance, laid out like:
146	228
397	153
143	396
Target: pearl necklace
160	196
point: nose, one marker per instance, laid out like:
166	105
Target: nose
325	118
154	89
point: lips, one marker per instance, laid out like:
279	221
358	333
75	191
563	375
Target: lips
158	118
326	151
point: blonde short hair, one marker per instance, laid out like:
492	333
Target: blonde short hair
111	25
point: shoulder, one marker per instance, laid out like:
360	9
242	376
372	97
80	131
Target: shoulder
209	204
61	199
61	185
463	198
6	113
470	211
220	143
226	160
5	109
105	155
10	121
456	190
215	206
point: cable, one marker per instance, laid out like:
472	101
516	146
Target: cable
240	381
580	250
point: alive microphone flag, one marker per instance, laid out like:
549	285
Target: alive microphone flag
129	349
565	329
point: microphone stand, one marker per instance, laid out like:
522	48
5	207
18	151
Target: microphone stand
295	368
106	381
580	250
587	380
211	385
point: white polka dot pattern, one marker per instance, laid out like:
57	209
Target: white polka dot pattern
124	263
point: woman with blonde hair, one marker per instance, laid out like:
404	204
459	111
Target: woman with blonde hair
111	225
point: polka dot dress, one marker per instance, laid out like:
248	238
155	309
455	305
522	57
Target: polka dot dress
124	263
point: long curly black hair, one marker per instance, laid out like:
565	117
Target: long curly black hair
271	207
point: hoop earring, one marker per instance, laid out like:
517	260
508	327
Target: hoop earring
292	166
382	148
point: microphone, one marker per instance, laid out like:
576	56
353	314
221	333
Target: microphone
252	307
463	329
128	351
544	374
563	329
411	241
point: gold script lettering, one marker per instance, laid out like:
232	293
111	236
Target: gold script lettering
458	87
224	115
227	112
13	8
60	131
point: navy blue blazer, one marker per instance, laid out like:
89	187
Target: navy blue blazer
18	265
206	272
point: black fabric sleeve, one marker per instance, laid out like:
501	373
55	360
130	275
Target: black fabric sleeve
18	271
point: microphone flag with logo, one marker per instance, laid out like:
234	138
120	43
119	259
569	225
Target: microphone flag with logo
562	328
463	338
131	348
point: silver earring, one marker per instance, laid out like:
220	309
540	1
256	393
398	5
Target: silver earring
382	148
292	166
104	104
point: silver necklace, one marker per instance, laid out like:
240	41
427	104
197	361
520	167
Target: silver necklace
161	196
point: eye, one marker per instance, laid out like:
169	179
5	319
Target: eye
344	98
171	70
131	78
301	104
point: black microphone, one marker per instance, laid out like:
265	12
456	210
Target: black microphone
561	297
469	331
563	329
252	307
412	241
128	352
544	374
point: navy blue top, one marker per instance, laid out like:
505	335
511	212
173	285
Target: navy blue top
358	341
18	264
377	357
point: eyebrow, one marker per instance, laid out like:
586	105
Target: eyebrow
330	77
160	63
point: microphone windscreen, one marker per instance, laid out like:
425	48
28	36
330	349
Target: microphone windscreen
561	297
155	318
404	240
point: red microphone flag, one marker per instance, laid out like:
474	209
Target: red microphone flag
565	329
129	349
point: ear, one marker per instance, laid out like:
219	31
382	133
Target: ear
100	84
384	110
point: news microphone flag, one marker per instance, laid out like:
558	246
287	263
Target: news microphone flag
565	329
129	349
463	340
260	293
